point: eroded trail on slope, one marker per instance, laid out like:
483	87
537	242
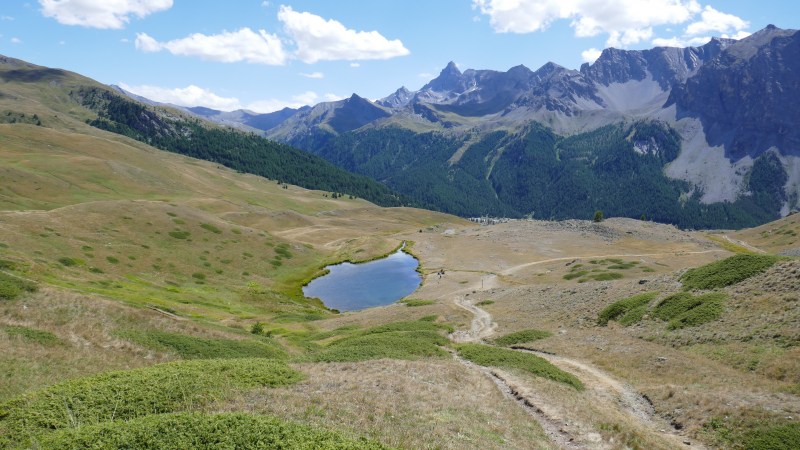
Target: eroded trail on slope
603	389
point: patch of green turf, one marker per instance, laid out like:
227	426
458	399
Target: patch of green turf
124	395
40	337
621	307
779	437
518	337
68	262
727	272
12	287
417	302
399	340
204	431
191	347
573	275
486	355
7	265
485	303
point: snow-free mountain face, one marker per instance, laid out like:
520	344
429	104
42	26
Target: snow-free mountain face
731	103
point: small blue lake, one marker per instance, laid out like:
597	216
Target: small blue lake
350	287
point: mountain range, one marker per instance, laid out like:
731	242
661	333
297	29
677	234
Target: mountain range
727	105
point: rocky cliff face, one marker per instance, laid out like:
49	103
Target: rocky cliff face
746	97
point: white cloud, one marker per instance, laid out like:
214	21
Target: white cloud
6	18
318	39
243	45
713	21
425	75
189	96
313	75
104	14
354	64
15	40
590	55
625	22
700	32
197	96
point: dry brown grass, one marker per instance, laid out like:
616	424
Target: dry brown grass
407	404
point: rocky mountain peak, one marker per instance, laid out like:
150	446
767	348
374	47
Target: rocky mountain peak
450	79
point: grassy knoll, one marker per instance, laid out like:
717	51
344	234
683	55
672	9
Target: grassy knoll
727	272
520	337
603	270
486	355
124	395
201	431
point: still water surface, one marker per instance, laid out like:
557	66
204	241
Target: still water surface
350	287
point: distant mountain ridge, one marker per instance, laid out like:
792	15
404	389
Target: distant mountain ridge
731	103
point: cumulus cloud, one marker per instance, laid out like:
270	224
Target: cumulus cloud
189	96
105	14
228	47
590	55
713	21
15	40
625	21
313	75
700	32
318	39
197	96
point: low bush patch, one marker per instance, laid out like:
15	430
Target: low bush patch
518	337
780	437
40	337
12	287
621	307
192	347
686	310
728	272
125	395
179	234
417	302
486	355
399	340
195	430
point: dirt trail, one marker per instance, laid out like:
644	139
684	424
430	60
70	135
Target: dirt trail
511	270
601	387
744	244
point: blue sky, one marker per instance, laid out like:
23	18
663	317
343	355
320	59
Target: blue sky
264	55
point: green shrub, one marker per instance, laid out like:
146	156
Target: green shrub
685	310
199	276
709	310
68	262
204	431
633	316
485	303
518	337
257	328
95	270
124	395
179	234
192	347
211	228
675	305
112	259
621	307
289	317
489	356
729	271
7	265
399	340
780	437
40	337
